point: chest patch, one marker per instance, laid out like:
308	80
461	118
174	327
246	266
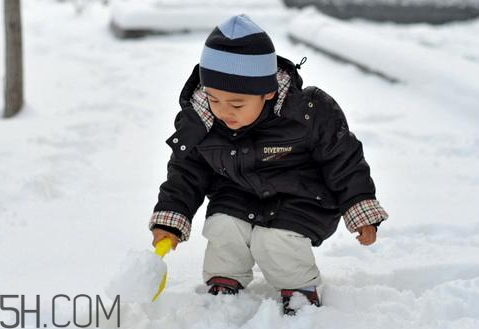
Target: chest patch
275	152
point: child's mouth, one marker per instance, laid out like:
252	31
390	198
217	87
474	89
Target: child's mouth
230	123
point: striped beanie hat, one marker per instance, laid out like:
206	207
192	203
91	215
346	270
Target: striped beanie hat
239	57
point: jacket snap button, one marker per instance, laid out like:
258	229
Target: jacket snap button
271	213
306	116
175	140
245	150
235	134
182	147
265	193
318	197
233	152
251	216
310	104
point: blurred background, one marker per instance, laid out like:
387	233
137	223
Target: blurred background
91	91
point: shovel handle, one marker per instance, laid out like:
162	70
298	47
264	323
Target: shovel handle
163	247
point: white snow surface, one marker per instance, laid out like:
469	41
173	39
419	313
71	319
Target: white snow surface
171	16
438	3
81	165
425	68
138	279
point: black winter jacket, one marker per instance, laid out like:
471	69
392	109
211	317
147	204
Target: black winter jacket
297	167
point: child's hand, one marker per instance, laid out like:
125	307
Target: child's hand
159	234
367	235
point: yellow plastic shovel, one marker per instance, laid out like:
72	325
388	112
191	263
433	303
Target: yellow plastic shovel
161	249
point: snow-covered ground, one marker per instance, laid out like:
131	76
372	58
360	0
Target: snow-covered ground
81	165
445	3
171	16
421	66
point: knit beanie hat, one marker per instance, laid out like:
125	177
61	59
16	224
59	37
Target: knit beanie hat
239	57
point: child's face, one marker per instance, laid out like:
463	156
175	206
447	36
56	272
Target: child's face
236	110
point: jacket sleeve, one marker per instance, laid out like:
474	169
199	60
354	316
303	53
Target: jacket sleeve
366	212
181	194
344	169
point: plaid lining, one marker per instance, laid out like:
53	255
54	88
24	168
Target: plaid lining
284	81
173	219
199	99
366	212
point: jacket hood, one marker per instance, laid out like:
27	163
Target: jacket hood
195	119
193	94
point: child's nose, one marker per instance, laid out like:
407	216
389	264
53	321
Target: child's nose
226	113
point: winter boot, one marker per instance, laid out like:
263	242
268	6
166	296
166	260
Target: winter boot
224	286
286	295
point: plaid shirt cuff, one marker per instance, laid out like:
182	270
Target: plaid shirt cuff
173	219
366	212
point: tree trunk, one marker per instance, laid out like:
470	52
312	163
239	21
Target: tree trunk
13	58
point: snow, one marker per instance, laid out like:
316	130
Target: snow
298	300
422	67
209	3
139	277
439	3
81	165
170	16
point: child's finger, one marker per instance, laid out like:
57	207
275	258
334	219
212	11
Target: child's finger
372	236
157	237
367	237
175	242
155	241
363	239
366	241
160	237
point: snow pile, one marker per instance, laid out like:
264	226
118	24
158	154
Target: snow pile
174	16
138	278
213	3
424	68
299	300
439	3
456	39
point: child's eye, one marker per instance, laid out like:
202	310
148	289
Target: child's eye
237	106
212	101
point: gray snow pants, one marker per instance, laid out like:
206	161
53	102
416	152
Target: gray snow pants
284	257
